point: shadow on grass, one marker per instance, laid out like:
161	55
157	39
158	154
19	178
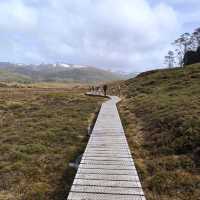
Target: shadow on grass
62	190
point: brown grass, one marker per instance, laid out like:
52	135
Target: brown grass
160	113
41	131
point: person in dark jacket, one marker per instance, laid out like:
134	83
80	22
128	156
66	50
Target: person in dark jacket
92	89
105	87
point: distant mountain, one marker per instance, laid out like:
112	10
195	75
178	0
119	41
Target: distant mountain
6	76
59	73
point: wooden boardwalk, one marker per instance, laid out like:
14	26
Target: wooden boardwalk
107	170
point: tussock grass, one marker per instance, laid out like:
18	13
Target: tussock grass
161	114
41	131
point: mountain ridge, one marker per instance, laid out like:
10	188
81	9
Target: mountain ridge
61	72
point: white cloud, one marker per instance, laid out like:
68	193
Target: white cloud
15	16
128	34
187	12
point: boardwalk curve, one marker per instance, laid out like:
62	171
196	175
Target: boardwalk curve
107	170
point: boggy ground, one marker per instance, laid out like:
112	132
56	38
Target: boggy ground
161	115
41	131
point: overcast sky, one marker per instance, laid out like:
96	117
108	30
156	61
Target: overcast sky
125	35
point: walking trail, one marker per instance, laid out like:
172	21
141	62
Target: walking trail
107	170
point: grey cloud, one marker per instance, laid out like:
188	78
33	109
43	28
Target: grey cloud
127	35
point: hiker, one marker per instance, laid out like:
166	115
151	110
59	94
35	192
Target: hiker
113	91
105	87
97	90
92	89
119	90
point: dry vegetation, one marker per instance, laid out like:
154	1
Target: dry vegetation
161	115
41	131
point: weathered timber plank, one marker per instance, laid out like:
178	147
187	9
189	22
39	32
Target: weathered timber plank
107	190
93	196
108	183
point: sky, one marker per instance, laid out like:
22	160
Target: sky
119	35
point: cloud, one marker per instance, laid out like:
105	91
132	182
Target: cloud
15	16
126	35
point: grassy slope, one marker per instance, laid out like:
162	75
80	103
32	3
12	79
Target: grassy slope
161	113
82	75
41	131
6	76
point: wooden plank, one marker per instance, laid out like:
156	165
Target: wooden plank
106	145
129	163
107	158
99	166
108	155
107	183
93	196
107	177
107	190
107	171
114	150
110	141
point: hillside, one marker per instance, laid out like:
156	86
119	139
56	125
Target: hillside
62	73
85	75
161	115
6	76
